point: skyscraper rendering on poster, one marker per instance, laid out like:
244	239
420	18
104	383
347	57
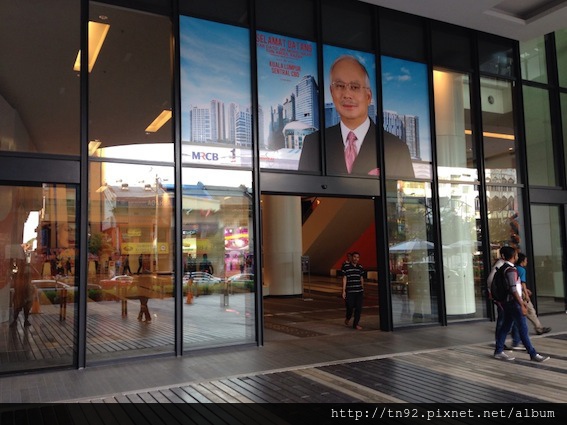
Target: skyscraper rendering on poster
216	113
288	98
405	98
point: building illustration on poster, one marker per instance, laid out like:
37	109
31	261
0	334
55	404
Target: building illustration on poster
216	113
288	95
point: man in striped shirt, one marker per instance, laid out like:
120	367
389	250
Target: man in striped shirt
353	289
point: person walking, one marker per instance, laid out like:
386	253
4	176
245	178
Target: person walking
531	315
514	310
205	265
353	289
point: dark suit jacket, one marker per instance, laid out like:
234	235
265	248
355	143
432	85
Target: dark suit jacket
397	156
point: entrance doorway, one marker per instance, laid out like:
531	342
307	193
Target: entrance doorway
305	242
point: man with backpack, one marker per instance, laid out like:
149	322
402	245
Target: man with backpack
499	305
514	308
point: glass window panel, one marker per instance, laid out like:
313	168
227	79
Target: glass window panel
456	155
412	253
561	50
496	56
505	218
288	93
463	268
38	287
39	90
533	60
405	97
563	97
411	44
131	261
499	138
293	17
548	258
230	11
451	48
348	25
539	140
219	282
126	106
216	113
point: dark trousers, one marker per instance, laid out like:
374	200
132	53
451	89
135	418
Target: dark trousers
513	315
354	304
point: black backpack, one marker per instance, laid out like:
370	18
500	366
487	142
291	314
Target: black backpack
500	288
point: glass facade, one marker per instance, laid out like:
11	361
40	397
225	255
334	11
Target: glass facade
539	137
413	269
498	131
40	276
219	274
561	52
136	232
548	261
47	124
533	60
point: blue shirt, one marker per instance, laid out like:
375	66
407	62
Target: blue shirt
521	273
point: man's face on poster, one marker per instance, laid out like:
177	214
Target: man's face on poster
350	92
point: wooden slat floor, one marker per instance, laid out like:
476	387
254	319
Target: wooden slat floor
466	375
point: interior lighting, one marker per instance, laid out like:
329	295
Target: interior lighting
97	34
494	135
158	123
93	146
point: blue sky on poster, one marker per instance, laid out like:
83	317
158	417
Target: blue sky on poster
405	91
208	49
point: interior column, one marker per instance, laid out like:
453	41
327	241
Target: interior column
281	224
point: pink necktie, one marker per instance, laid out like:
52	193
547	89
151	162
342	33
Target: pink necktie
350	151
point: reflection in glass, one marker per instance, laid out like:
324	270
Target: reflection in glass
219	281
38	284
462	251
216	113
533	60
131	257
563	105
505	219
496	56
412	252
539	140
561	50
499	138
130	109
39	90
456	157
548	258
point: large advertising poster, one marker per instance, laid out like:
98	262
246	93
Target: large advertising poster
350	116
288	98
216	114
405	97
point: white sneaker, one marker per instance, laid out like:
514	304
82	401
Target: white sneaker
539	358
504	356
519	347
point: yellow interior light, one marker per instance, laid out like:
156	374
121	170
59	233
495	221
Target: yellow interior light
161	119
97	34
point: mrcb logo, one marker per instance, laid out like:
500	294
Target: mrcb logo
205	156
